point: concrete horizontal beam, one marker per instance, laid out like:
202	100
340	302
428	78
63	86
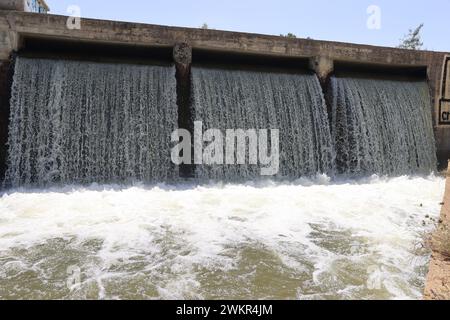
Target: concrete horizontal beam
39	25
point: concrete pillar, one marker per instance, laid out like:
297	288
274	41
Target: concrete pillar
8	45
182	56
6	72
323	67
9	42
439	81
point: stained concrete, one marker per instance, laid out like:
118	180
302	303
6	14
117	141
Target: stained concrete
182	56
5	93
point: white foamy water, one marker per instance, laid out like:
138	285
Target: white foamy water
308	240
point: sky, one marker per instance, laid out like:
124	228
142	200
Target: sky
334	20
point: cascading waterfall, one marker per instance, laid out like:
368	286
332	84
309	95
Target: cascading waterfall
292	103
82	122
382	127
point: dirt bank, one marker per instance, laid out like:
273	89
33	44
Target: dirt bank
438	280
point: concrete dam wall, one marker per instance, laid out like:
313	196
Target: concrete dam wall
192	52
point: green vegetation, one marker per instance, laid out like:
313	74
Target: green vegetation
413	40
289	35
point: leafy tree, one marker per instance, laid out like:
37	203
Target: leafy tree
289	35
205	26
413	40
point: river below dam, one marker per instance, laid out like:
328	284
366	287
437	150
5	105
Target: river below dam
310	239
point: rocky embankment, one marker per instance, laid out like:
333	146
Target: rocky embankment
438	280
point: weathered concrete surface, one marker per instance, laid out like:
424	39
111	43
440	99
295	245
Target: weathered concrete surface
133	33
16	26
5	89
438	280
182	56
322	66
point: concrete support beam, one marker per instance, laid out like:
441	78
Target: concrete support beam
9	37
182	56
323	67
5	94
9	42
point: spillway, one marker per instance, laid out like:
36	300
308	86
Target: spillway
382	127
75	122
84	122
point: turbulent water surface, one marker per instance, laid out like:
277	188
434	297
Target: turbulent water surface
305	240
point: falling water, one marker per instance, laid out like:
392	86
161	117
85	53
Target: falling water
81	122
382	127
292	103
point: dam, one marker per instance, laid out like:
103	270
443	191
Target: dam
194	55
90	194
